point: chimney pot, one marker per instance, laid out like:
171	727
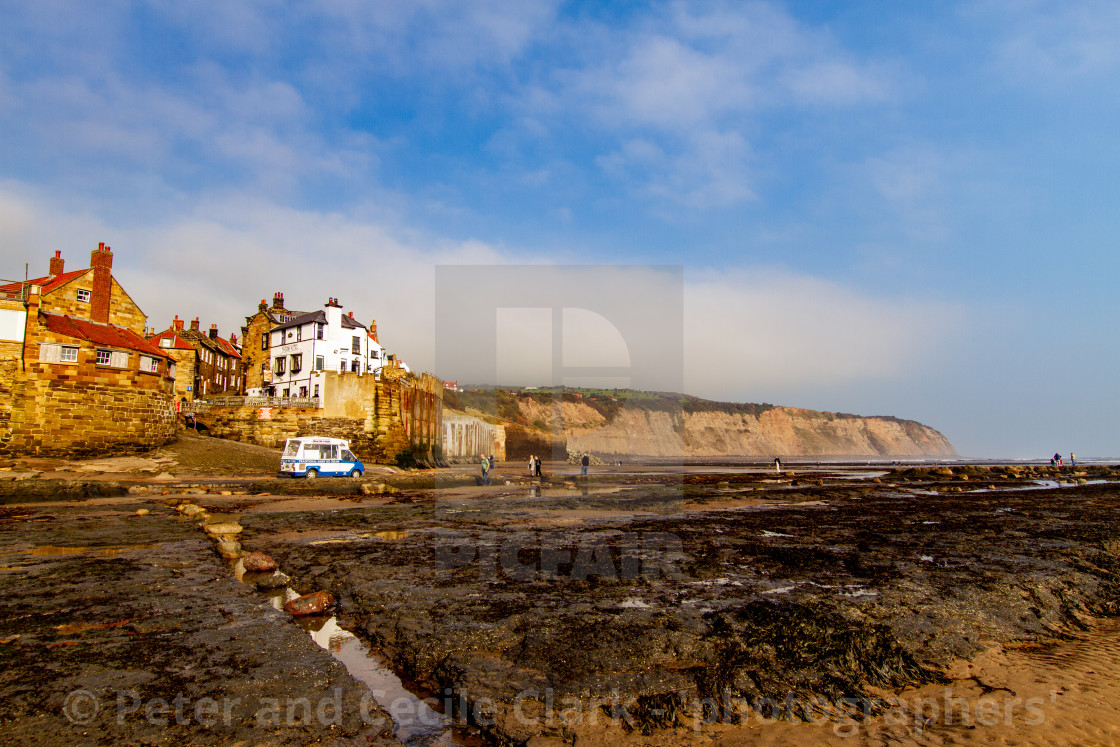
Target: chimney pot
194	325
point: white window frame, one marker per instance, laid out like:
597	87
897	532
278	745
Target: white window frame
84	296
104	357
148	364
68	354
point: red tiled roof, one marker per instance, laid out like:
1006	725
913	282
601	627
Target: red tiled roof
227	347
99	334
169	334
47	283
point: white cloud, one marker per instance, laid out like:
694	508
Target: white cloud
774	331
745	331
1047	41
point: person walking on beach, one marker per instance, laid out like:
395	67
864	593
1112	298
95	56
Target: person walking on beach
778	465
537	465
583	464
1072	460
532	464
485	470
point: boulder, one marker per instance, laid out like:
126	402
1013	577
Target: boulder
276	581
256	562
229	549
223	528
310	604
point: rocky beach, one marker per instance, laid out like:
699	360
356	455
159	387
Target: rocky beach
644	604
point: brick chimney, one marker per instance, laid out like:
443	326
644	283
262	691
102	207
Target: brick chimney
101	261
178	323
56	264
278	300
194	324
213	331
233	338
263	305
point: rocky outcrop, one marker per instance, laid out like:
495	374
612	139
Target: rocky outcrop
698	429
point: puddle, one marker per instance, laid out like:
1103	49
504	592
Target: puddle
98	552
415	722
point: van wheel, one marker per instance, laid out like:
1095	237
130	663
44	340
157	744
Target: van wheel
312	473
355	473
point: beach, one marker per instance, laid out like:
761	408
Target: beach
645	604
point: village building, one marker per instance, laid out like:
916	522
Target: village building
256	338
208	365
78	376
307	346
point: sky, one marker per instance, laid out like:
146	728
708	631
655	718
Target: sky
903	209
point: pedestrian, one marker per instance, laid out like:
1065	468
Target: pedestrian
537	466
583	464
1072	460
532	464
778	465
485	470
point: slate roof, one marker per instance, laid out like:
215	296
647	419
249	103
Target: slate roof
99	334
348	322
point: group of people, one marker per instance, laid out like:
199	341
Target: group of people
534	465
1056	460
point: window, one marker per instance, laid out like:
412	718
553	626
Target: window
264	341
165	342
319	363
286	393
318	331
279	368
149	364
356	346
355	365
171	369
103	357
83	295
297	363
373	354
316	394
342	366
303	391
68	354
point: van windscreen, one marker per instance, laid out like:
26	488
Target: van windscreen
292	449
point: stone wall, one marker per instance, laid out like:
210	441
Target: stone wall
66	419
396	419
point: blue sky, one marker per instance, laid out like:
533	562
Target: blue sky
880	208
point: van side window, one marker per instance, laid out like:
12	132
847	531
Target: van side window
348	456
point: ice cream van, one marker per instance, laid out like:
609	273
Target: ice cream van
312	456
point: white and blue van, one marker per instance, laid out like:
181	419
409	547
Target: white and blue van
313	456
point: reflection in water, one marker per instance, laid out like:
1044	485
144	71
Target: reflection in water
415	722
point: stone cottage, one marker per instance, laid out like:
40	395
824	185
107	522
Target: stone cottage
79	379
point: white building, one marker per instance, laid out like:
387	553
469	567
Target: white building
310	344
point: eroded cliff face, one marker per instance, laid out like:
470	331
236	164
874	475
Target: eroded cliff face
778	431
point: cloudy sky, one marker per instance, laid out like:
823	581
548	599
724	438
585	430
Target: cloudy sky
880	208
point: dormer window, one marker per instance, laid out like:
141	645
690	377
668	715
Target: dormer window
83	295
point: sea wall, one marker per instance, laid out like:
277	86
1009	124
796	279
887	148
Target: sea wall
467	436
398	419
83	419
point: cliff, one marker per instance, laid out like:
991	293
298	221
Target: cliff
684	426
